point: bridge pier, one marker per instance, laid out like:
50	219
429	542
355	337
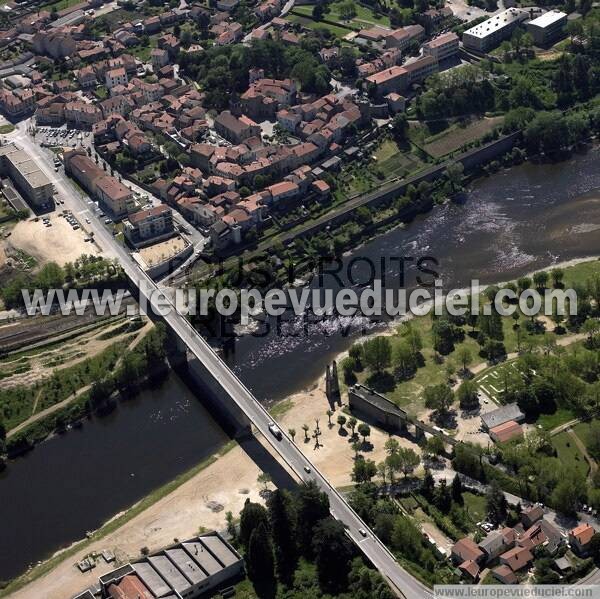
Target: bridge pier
207	388
332	384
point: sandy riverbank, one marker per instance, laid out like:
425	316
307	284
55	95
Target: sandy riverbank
226	483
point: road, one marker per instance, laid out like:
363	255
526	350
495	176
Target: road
370	545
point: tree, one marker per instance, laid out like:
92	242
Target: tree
364	430
464	357
468	396
333	550
405	363
443	336
540	279
251	516
329	415
557	275
442	498
312	506
428	486
264	478
259	560
439	398
292	433
363	470
377	353
305	428
568	492
409	460
283	527
456	490
391	446
496	504
400	128
341	420
352	424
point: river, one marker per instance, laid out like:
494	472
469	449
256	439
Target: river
517	221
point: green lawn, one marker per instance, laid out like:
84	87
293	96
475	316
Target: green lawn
5	129
550	421
475	505
61	4
365	17
307	22
569	455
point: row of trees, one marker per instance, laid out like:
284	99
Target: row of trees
295	530
85	270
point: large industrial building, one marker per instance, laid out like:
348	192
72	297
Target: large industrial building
487	35
32	183
187	570
548	27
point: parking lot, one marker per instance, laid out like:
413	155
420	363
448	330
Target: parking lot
60	136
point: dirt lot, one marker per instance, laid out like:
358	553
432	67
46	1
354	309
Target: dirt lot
58	243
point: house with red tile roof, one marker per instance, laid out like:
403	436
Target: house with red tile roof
504	574
517	559
580	538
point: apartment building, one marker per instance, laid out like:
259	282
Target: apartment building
236	129
397	79
548	27
31	182
442	47
487	35
149	226
116	77
113	195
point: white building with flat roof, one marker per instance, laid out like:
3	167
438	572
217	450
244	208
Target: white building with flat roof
487	35
547	27
24	172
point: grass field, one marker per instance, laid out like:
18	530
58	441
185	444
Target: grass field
568	454
550	421
307	22
475	506
457	136
365	17
61	4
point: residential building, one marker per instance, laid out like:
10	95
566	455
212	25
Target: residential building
442	47
466	550
531	515
149	226
548	27
580	538
116	77
517	559
82	115
504	574
23	171
501	415
506	432
114	195
374	37
487	35
494	544
236	129
397	79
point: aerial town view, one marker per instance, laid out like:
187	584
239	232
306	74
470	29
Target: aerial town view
299	299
